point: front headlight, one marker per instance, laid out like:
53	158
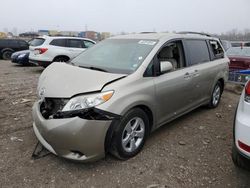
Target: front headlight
87	101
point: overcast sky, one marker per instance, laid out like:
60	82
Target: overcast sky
214	16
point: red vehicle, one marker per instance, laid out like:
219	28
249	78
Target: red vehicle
239	58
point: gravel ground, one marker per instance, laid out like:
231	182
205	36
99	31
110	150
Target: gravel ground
193	151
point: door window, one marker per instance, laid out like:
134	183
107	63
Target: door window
197	51
58	42
74	43
172	52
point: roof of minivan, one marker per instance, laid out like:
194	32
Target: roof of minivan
159	36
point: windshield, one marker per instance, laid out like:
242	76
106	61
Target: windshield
238	51
116	55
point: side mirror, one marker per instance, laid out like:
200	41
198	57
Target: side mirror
166	66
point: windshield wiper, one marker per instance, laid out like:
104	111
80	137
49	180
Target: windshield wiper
93	68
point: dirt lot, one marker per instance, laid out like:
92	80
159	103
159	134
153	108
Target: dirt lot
193	151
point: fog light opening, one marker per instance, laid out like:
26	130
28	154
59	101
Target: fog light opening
77	154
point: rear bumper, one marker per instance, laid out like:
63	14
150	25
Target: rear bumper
72	138
242	126
40	63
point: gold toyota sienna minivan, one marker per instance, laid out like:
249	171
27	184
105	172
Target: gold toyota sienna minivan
110	97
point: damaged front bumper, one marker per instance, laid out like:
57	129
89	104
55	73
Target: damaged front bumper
71	136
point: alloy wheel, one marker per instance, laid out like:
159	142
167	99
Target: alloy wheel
133	134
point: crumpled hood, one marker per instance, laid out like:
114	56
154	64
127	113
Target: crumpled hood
61	80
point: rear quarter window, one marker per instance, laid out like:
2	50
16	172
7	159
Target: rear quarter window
23	43
88	44
217	50
197	51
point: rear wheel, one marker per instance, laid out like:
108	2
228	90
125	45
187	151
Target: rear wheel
61	59
216	95
7	54
130	135
239	160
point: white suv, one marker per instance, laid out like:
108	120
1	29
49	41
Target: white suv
241	146
45	50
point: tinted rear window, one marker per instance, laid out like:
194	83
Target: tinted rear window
36	42
23	43
197	51
58	42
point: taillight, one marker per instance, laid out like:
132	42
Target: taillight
41	50
247	92
244	146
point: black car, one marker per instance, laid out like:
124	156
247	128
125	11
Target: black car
8	46
21	57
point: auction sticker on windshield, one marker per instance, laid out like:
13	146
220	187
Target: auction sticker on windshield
147	42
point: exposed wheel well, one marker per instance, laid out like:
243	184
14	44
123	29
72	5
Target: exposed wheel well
61	56
221	80
149	114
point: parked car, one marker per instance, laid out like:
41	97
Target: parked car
21	57
57	49
241	145
9	46
109	98
240	43
226	44
239	58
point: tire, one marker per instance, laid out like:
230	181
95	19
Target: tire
7	54
216	95
61	59
130	135
240	160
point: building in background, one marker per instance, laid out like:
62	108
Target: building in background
93	35
43	32
53	33
105	35
29	34
3	35
69	33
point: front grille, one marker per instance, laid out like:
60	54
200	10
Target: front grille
51	106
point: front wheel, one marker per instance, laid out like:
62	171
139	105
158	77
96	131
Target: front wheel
131	134
216	95
7	55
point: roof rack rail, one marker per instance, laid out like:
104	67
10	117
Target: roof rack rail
147	32
192	32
